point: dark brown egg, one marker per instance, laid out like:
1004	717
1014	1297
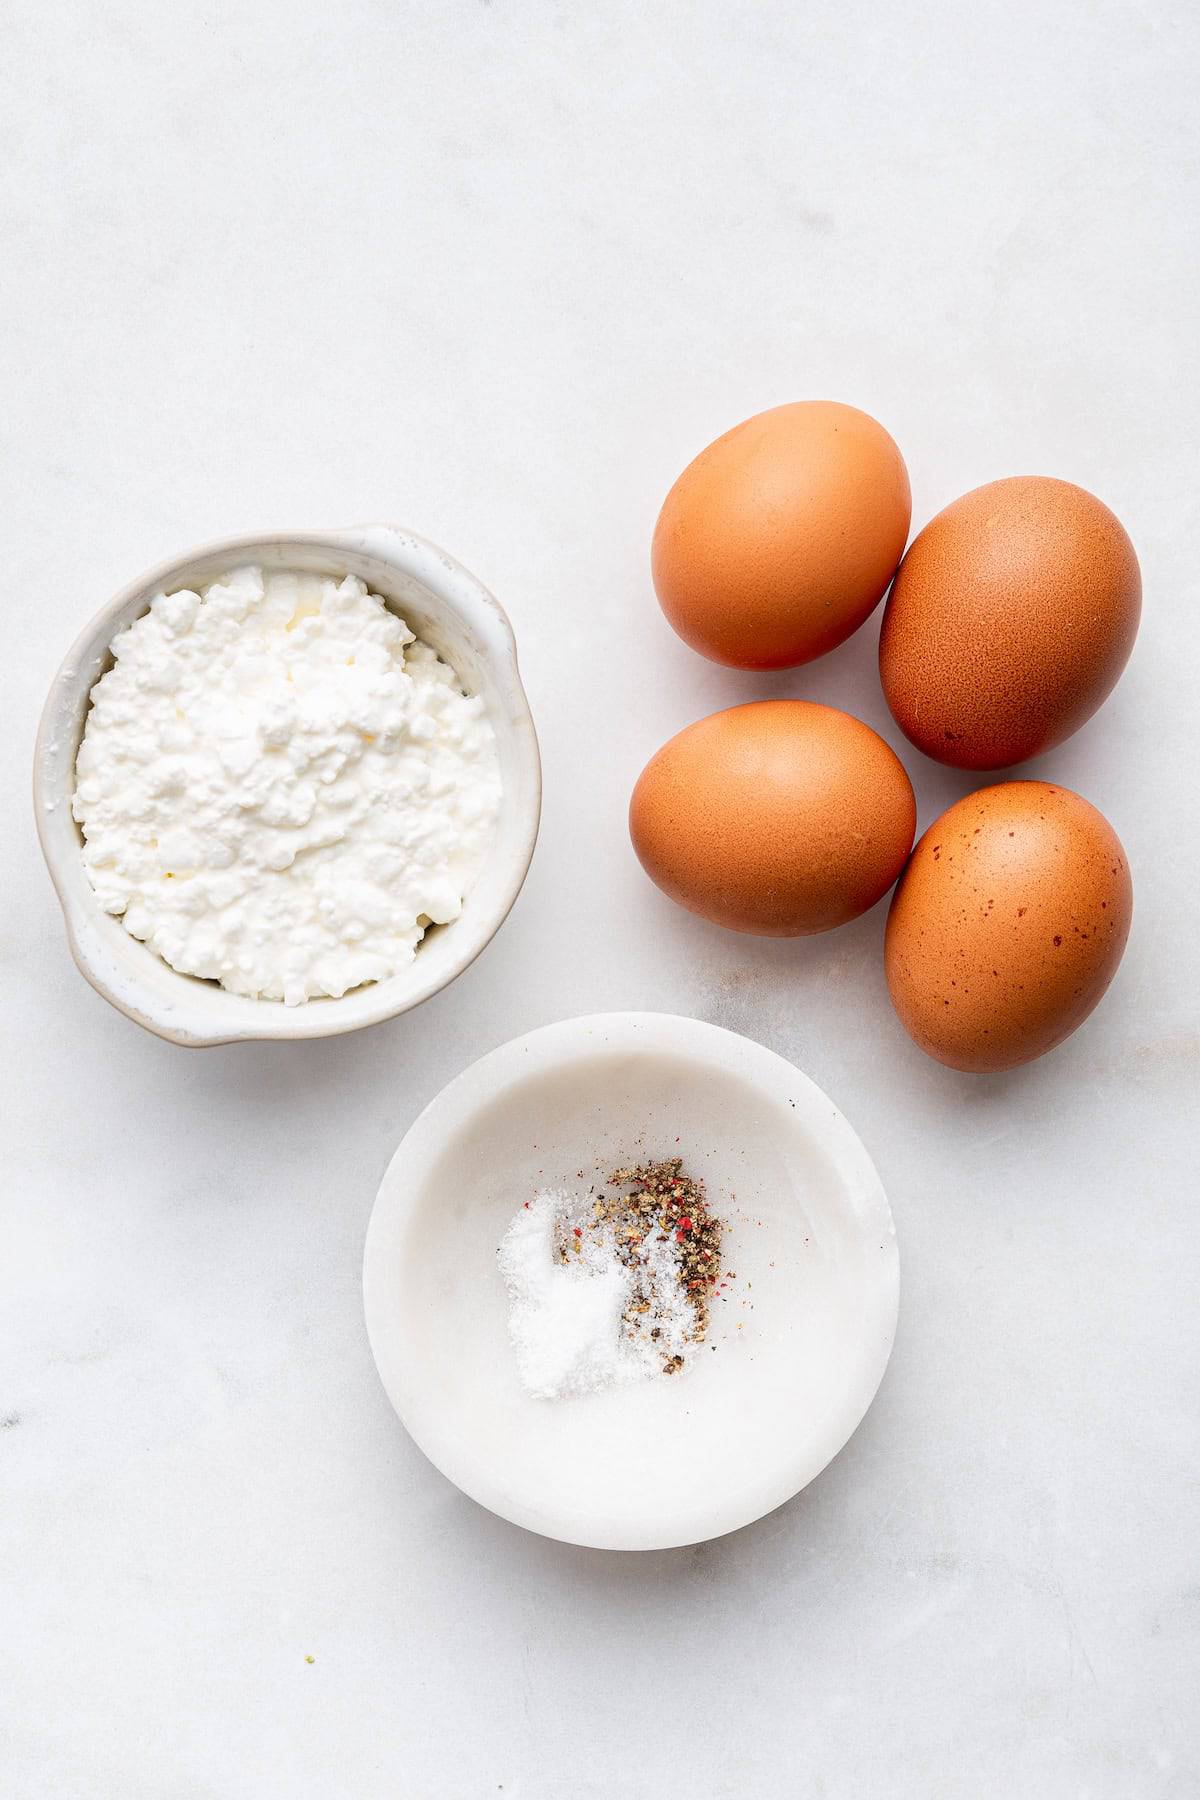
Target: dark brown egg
781	818
1009	621
1007	925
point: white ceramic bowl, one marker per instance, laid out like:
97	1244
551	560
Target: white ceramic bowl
446	607
801	1343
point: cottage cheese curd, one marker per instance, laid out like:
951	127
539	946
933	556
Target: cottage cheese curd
280	786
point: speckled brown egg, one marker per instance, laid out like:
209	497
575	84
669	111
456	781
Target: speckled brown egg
781	537
781	818
1009	622
1007	925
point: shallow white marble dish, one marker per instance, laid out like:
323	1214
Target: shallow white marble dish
444	605
801	1342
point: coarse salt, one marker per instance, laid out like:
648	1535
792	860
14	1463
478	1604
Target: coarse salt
571	1323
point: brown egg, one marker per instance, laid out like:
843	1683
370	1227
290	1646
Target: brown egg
780	817
781	537
1007	925
1009	621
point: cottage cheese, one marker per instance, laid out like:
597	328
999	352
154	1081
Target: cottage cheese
279	786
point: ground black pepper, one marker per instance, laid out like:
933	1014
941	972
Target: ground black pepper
663	1200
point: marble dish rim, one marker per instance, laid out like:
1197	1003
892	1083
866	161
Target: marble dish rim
411	1384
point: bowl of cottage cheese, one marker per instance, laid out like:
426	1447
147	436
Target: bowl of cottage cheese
288	786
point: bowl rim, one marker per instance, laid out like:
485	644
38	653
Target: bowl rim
184	1022
555	1046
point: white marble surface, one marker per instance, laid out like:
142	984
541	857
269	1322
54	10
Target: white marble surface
495	272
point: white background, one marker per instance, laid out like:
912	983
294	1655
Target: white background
496	272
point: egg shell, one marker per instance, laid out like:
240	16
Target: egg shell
1007	925
1009	622
781	818
781	537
